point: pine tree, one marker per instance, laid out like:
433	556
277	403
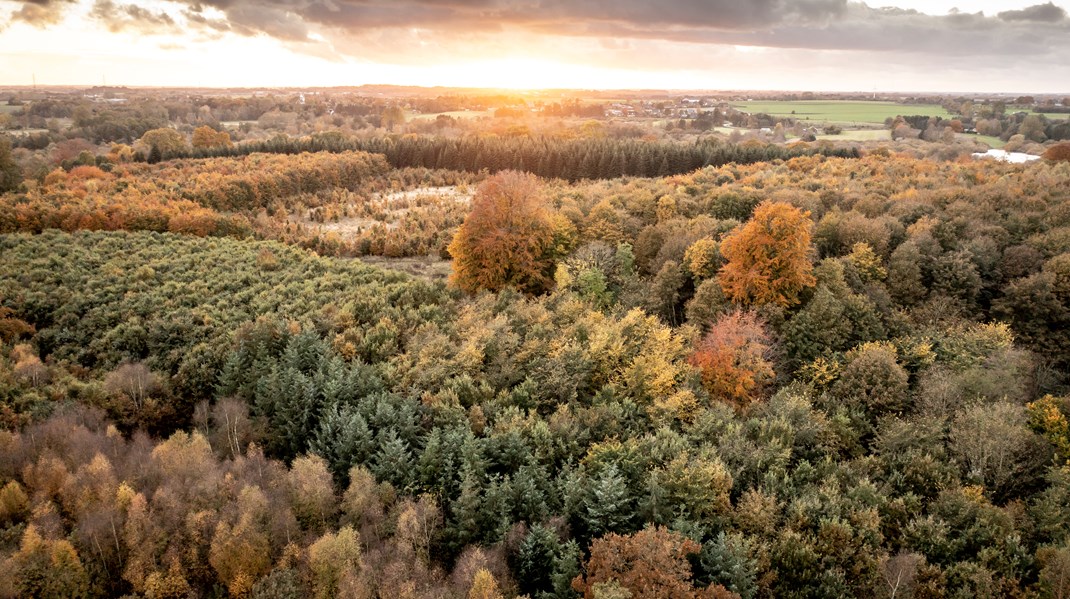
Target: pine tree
608	506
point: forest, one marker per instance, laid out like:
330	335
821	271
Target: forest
704	370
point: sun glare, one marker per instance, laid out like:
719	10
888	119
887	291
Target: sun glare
529	73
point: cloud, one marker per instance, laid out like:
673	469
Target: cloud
808	24
431	31
41	13
1040	13
118	17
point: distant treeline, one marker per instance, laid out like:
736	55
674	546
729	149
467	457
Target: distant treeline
572	159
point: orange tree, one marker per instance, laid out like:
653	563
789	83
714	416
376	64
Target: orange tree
511	238
768	259
733	358
650	563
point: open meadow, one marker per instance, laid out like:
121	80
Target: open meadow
841	112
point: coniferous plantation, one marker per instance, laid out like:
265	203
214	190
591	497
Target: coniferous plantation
814	377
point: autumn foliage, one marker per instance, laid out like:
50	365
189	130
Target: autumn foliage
510	239
1058	152
733	357
650	563
768	259
207	137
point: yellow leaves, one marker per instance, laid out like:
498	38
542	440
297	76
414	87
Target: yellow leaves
975	493
241	553
207	137
700	484
703	258
682	406
1046	417
867	262
768	259
124	496
171	584
333	558
14	503
484	586
820	373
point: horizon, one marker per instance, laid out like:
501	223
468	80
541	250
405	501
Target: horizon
527	91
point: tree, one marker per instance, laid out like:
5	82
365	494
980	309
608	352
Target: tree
996	447
311	491
10	174
48	569
768	259
241	554
207	137
392	116
484	586
511	238
733	358
900	573
134	380
1032	128
873	381
727	560
332	559
168	141
650	563
703	258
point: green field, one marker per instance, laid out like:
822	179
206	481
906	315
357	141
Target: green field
9	109
840	111
993	142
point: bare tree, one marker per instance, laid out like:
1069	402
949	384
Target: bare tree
134	380
900	572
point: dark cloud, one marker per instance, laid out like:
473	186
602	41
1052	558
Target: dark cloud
1041	13
811	24
120	17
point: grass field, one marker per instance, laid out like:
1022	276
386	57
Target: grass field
993	142
841	111
860	135
9	109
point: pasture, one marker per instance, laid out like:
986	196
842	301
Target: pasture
844	112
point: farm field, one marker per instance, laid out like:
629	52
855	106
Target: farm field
859	135
841	111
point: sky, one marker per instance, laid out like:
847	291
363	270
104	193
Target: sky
994	46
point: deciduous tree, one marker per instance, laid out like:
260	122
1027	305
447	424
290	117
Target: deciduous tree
768	259
510	239
650	563
734	358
